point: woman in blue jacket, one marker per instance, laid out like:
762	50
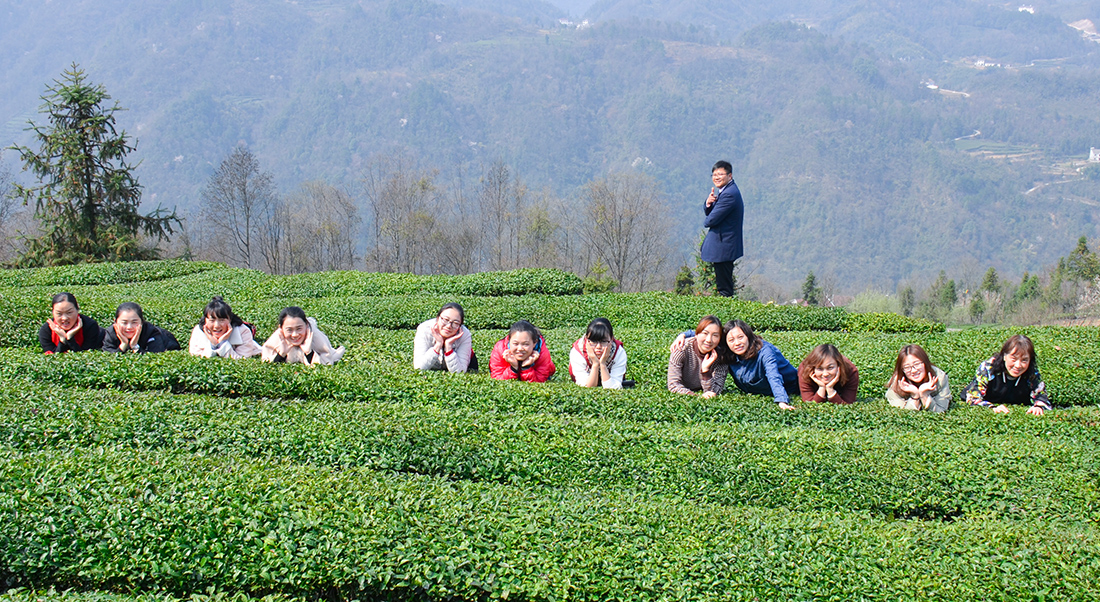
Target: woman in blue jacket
757	367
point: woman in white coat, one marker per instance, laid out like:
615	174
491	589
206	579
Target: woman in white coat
297	340
221	333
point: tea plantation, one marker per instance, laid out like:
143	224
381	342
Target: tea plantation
170	477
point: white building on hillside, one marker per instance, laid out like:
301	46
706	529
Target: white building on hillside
1094	155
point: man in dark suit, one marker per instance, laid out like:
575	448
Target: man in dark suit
725	211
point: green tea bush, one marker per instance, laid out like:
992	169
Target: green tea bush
19	594
163	477
1067	358
184	522
104	273
482	284
810	461
178	306
887	322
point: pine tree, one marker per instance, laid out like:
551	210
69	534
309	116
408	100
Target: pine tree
948	295
685	281
1030	288
1082	264
87	199
704	283
990	282
977	309
908	300
811	292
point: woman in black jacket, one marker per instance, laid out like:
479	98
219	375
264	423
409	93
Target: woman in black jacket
68	329
132	334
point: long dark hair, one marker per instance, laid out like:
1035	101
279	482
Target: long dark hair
600	330
828	351
1016	343
755	343
219	309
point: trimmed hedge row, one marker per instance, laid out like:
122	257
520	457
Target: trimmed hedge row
366	284
925	467
370	480
19	594
25	313
121	518
105	273
193	279
1067	359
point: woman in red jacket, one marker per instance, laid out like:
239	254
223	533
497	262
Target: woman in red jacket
826	375
522	355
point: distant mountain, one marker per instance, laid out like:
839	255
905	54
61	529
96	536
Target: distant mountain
941	29
844	146
539	12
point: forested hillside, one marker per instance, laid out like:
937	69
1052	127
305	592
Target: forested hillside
843	135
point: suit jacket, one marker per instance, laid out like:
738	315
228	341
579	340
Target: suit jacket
724	217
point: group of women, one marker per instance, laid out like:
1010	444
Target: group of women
703	360
597	359
219	333
700	361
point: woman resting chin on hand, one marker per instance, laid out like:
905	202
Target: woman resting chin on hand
522	355
700	364
598	359
132	334
826	375
68	329
297	340
221	333
916	384
444	343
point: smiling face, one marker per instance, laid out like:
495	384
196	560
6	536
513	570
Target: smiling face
295	331
738	341
521	345
1017	362
914	369
65	315
129	322
216	326
708	338
825	371
449	322
720	177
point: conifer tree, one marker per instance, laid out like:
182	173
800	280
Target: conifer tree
87	198
811	292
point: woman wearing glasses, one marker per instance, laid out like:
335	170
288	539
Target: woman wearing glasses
916	384
444	342
297	340
597	359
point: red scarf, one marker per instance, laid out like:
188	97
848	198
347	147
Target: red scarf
78	338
